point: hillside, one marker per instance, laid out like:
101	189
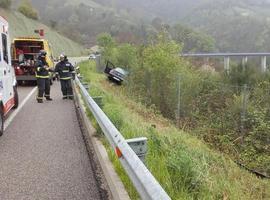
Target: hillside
86	2
237	26
126	21
170	11
83	20
22	26
185	167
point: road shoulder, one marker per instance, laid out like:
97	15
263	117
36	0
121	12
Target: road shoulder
115	185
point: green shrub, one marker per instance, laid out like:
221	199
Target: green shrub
5	4
27	10
240	75
107	45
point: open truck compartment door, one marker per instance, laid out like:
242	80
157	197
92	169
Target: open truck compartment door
25	54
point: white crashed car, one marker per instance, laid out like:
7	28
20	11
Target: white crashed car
115	74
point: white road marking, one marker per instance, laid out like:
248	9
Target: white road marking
13	115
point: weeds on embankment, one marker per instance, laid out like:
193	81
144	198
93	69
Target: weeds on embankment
184	166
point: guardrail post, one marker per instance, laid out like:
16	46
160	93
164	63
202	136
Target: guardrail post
139	146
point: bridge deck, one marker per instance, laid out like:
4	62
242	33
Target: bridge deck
225	54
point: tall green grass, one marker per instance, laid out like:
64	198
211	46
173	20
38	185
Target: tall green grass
185	167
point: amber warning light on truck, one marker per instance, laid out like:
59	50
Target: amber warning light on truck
40	32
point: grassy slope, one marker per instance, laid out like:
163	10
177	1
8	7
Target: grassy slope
21	26
184	166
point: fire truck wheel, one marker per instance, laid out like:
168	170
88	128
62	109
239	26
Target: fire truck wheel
16	97
20	82
1	120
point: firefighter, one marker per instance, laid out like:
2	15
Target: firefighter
65	72
42	75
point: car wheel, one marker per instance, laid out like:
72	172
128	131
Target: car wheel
1	120
16	97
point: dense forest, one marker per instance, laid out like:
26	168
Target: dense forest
227	22
84	20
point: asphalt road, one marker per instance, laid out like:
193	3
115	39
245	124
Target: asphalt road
76	60
23	91
42	153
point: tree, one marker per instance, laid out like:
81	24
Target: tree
162	62
105	40
107	45
27	10
5	3
193	41
127	55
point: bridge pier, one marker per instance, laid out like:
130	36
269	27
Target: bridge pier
263	64
227	64
244	63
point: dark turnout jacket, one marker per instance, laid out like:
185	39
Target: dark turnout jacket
65	70
41	71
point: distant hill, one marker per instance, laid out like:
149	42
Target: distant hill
83	20
126	20
238	26
22	26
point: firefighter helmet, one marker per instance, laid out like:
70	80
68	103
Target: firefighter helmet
42	53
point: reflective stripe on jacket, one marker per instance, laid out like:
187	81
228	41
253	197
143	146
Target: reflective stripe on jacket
41	71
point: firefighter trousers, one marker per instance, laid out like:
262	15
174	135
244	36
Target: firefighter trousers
44	87
66	88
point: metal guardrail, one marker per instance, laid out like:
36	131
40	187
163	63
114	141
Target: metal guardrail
144	182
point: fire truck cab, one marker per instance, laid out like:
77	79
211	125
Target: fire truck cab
8	84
